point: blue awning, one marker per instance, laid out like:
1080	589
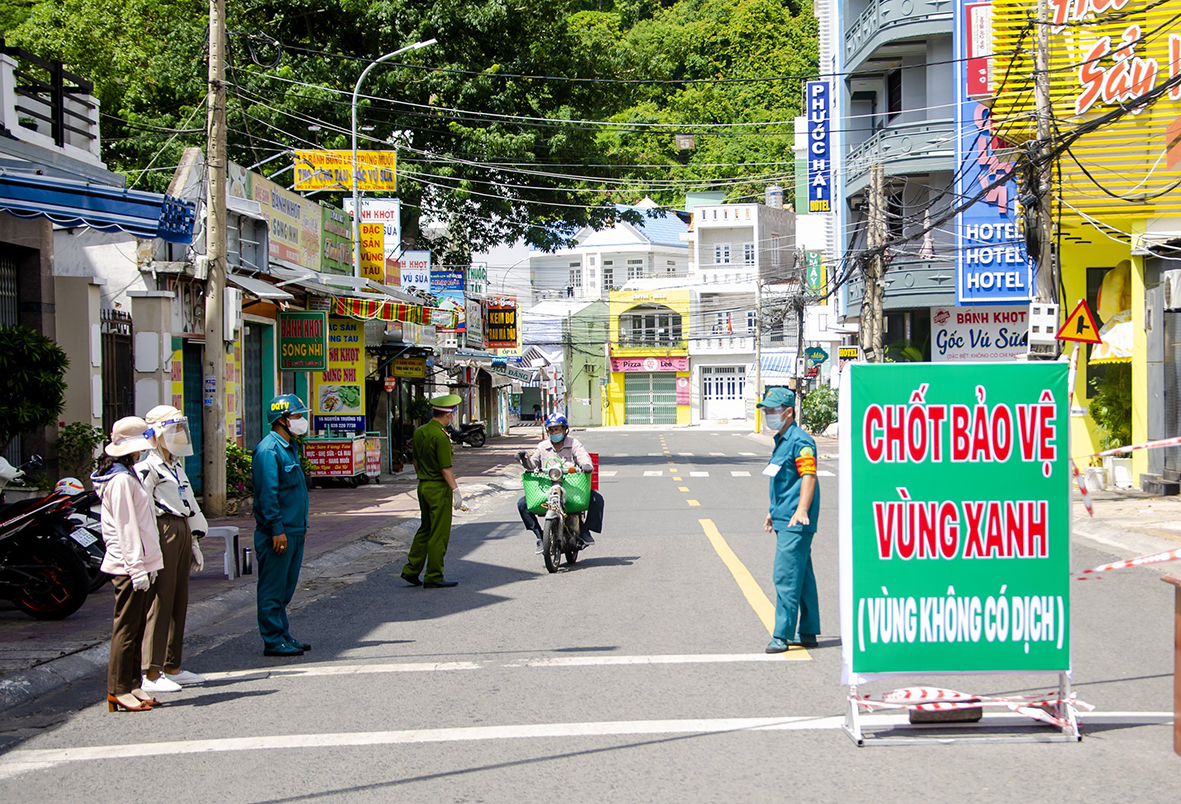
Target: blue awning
102	207
778	363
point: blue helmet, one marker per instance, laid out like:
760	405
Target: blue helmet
556	420
285	405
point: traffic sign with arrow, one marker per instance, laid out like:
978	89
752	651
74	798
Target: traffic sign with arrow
1080	326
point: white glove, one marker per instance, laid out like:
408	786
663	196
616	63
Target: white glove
140	581
456	499
198	556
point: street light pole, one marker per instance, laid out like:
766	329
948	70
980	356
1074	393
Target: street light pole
356	192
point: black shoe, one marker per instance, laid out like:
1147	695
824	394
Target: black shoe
283	650
587	539
439	584
411	579
305	647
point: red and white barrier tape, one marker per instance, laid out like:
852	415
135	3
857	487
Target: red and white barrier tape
1158	444
937	699
1138	561
1082	488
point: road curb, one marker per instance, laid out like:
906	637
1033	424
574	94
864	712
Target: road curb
26	686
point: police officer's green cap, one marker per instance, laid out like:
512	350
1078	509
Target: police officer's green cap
779	398
446	401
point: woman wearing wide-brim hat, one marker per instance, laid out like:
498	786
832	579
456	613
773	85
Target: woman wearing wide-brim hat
133	558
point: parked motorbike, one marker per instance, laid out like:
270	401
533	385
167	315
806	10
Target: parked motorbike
560	527
472	434
86	535
39	571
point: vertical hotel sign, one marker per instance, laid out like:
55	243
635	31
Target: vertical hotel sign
819	109
991	263
955	519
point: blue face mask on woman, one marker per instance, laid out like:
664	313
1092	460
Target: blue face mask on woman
557	438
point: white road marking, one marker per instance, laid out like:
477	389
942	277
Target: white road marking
699	474
655	454
700	658
607	474
825	473
686	454
654	473
747	454
739	473
718	454
22	761
621	455
339	670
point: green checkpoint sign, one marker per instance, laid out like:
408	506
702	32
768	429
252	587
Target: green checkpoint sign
955	519
303	341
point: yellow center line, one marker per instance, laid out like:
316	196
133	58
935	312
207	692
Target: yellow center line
693	503
677	479
682	488
763	607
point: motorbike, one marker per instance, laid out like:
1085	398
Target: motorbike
85	529
39	571
472	434
560	528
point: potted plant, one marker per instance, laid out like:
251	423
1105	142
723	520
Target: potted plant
239	478
1111	408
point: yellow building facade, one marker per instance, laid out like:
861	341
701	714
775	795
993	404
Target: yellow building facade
648	379
1116	201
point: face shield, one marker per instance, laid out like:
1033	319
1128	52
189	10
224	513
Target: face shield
174	436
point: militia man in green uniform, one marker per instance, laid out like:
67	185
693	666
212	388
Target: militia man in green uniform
794	509
438	493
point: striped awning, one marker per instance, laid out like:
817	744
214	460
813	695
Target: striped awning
102	207
377	310
777	363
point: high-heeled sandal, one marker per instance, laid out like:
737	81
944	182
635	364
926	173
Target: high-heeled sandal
113	704
148	701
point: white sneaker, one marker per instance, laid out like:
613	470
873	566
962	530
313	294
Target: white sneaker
537	552
162	684
184	677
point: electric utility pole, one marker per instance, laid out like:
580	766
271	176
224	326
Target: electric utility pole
1047	274
214	390
872	334
758	417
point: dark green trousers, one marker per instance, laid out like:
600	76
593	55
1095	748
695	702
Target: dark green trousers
278	575
431	539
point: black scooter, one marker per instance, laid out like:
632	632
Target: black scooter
471	434
39	571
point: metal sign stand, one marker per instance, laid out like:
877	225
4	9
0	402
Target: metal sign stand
1063	710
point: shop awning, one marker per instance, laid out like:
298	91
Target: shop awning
259	289
102	207
1117	335
777	363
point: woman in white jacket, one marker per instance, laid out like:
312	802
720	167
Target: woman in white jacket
180	523
132	559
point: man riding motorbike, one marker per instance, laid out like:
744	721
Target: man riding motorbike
560	444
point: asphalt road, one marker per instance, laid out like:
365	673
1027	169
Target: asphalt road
638	675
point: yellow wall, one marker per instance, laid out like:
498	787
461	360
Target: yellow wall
1102	252
613	400
620	301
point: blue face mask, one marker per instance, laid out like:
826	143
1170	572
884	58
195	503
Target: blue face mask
557	438
775	421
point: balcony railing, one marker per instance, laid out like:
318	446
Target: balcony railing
45	105
888	20
710	344
911	283
640	342
902	148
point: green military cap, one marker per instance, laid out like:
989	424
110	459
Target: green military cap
779	398
446	401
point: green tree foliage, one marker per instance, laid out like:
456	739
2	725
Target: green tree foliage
76	444
1111	405
820	408
497	125
32	384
